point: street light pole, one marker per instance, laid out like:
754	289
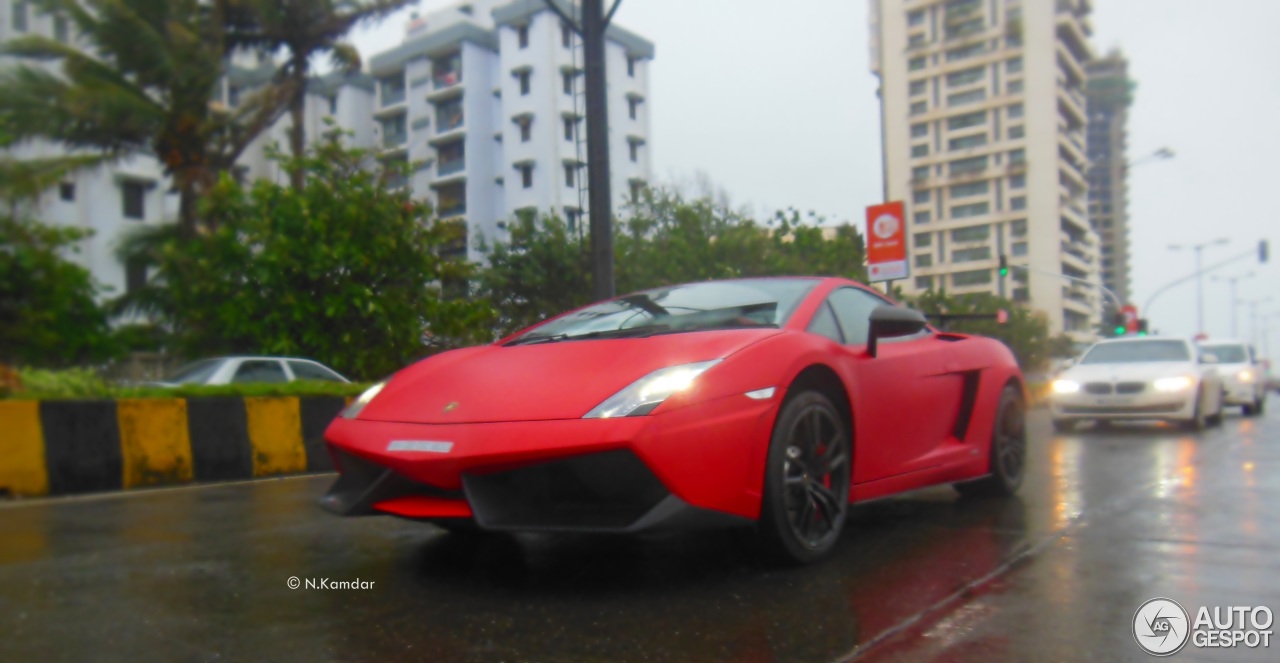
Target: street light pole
1199	249
1235	315
1253	312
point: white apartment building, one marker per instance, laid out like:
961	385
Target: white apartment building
984	117
485	100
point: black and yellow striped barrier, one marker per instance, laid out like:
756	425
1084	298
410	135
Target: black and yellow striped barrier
68	447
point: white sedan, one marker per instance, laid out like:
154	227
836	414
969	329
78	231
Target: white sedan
237	370
1139	378
1243	375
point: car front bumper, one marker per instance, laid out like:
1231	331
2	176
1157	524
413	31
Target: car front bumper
696	466
1241	393
1176	406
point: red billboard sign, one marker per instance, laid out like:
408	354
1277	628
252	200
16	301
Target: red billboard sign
886	242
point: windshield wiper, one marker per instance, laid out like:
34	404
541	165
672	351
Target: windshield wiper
630	332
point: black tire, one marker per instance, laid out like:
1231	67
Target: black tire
1008	453
1064	425
806	484
1249	410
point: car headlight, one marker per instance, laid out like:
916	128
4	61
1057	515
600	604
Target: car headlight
1065	386
1179	383
647	393
351	411
1245	376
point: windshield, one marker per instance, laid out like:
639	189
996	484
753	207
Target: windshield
1227	354
195	373
1132	352
681	308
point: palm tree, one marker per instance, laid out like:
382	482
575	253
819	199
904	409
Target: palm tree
303	29
142	83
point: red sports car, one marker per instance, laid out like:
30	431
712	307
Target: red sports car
768	401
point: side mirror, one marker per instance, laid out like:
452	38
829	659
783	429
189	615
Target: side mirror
891	322
1208	358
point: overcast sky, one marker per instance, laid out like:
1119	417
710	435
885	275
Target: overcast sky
775	103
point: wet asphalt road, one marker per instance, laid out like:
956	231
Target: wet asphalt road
1107	520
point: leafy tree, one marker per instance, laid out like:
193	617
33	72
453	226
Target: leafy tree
48	313
140	84
304	29
1026	332
341	271
541	270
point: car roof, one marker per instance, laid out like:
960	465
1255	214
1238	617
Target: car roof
1137	339
242	357
1222	341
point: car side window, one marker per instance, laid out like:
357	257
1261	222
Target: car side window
853	309
260	370
305	370
824	324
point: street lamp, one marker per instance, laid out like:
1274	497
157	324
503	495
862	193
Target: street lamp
1253	310
1161	154
1199	248
1235	328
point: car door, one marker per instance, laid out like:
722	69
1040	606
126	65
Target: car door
904	402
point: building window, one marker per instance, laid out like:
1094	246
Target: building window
971	189
333	105
919	130
966	52
1018	182
1018	228
915	18
921	150
975	277
970	97
526	128
449	115
631	67
971	234
566	35
634	147
633	106
922	240
566	78
967	142
451	200
916	64
526	175
451	157
637	188
920	173
523	33
135	275
923	216
918	87
67	191
1018	203
393	131
967	120
970	165
568	174
965	76
924	260
924	282
19	18
920	197
1017	156
1014	87
571	216
919	108
446	71
133	196
1017	132
972	209
1019	249
971	255
568	128
1013	66
1015	111
390	89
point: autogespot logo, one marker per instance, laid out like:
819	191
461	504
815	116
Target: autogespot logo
1161	627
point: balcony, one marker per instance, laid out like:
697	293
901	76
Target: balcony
394	140
444	168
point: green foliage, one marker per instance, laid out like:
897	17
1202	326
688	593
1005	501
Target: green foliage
340	271
1026	333
48	315
84	383
544	269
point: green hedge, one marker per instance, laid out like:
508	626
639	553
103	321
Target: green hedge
82	383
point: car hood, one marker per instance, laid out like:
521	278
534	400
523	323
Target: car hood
545	381
1132	372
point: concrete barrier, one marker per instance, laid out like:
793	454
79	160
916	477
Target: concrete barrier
70	447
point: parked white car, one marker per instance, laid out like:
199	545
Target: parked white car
236	370
1138	378
1243	375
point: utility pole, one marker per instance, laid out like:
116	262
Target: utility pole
599	198
1235	301
1253	313
1198	249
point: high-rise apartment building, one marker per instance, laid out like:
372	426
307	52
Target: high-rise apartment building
488	100
984	116
1110	92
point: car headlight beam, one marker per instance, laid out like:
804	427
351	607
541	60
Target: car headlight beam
1066	387
1245	376
1180	383
353	410
643	395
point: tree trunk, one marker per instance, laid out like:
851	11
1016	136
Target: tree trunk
297	132
188	199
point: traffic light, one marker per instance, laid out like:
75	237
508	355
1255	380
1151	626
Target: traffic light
1142	327
1004	265
1262	251
1118	322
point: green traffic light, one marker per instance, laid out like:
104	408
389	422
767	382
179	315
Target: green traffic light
1119	331
1004	271
1142	333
